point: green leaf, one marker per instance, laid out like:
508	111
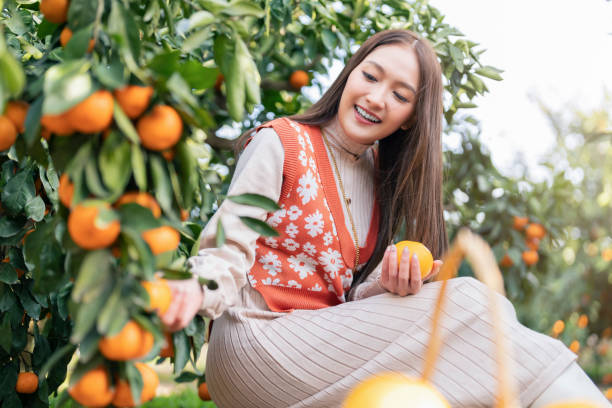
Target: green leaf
330	41
181	90
137	217
66	84
161	184
255	200
243	8
198	76
88	311
114	162
30	305
135	380
186	376
6	334
78	44
181	351
220	235
7	299
112	74
457	56
94	273
125	124
139	167
32	122
35	209
81	13
12	78
490	72
259	226
18	191
9	227
92	178
196	39
114	311
8	274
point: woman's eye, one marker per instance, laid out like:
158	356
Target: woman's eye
400	97
369	77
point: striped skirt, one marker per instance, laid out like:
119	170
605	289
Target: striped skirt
313	358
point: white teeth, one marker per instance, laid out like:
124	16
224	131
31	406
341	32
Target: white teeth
366	115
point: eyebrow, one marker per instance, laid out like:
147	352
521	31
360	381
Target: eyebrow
381	69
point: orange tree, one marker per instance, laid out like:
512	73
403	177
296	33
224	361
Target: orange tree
129	108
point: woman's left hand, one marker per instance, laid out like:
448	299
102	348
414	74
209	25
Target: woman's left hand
405	279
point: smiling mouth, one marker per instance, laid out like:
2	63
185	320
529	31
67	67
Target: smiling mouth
366	115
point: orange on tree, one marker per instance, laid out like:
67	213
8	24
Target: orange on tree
184	214
143	199
532	243
606	254
57	124
161	129
423	254
168	154
575	346
298	79
94	114
65	190
130	343
519	223
56	11
535	230
168	349
27	383
8	133
608	393
93	389
133	99
219	81
203	392
506	261
394	390
530	257
160	294
558	327
87	231
66	35
123	393
162	239
17	111
583	321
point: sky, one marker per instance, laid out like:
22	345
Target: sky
557	50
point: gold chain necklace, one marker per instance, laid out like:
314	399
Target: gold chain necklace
346	201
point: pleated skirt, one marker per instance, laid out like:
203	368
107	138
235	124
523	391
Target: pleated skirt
313	358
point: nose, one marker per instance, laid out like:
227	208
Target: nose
375	98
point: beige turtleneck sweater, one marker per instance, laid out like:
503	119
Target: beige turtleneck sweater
260	170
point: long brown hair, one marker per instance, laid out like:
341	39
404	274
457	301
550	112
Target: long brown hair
408	179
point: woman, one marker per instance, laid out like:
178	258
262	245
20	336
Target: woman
297	323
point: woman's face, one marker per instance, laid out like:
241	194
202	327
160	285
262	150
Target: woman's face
380	93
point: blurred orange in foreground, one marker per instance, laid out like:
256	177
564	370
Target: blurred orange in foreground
394	390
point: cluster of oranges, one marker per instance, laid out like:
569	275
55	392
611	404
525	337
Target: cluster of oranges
12	122
534	232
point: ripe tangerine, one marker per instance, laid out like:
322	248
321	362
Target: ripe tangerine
87	232
56	11
162	239
123	393
94	114
143	199
160	295
161	129
134	99
422	253
93	389
298	79
65	190
8	133
203	392
57	124
66	35
17	111
535	230
130	343
530	257
27	383
519	223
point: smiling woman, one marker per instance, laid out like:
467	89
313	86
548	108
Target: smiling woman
303	317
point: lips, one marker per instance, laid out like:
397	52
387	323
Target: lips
365	116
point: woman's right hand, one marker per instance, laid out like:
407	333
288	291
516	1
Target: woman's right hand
187	297
403	279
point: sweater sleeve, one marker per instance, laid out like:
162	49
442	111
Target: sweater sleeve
259	170
370	287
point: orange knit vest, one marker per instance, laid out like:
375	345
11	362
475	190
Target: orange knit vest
310	264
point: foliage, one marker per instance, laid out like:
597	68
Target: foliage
210	60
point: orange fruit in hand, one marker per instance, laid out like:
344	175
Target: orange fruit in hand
168	349
423	254
17	111
161	129
298	79
134	99
535	230
393	390
57	124
27	383
93	389
131	342
203	392
143	199
87	232
160	294
66	35
530	257
56	11
123	393
94	114
518	223
162	239
8	133
65	190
